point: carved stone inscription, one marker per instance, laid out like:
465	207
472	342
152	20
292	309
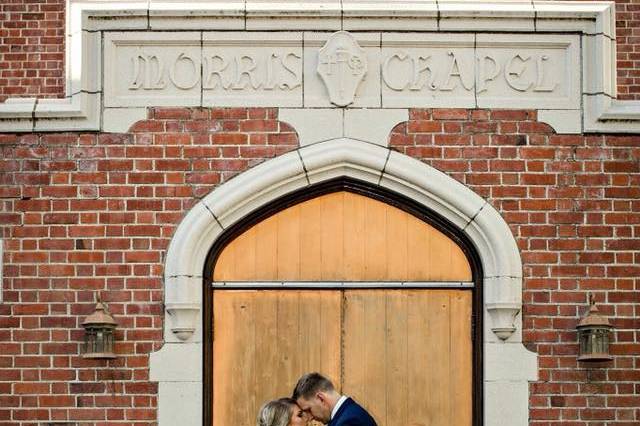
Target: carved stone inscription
218	72
412	70
268	71
415	72
524	72
150	72
257	69
498	71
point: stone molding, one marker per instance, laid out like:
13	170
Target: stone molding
508	365
322	124
90	21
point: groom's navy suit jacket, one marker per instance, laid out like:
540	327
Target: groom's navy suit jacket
351	414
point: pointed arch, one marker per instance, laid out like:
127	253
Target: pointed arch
373	165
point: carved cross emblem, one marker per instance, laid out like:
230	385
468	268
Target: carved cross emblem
342	64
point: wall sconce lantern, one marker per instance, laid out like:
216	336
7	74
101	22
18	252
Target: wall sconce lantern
98	333
593	335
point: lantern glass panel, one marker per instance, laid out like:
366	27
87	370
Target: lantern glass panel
99	342
594	343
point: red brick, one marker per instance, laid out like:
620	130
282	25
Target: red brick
56	401
140	414
60	218
229	138
172	113
56	270
424	126
450	114
33	205
452	139
147	126
509	115
172	165
531	152
141	388
282	139
135	178
115	165
597	414
144	152
30	414
86	387
86	257
112	401
30	309
86	231
172	138
142	256
258	126
30	388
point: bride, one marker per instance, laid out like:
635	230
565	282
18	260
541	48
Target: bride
281	412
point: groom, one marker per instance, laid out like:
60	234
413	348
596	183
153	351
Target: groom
316	396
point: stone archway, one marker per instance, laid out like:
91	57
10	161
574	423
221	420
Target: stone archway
508	366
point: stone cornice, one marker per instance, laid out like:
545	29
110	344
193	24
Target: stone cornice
82	108
349	15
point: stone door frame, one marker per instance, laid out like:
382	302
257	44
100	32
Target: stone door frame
508	366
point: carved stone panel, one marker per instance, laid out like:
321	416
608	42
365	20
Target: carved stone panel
222	69
328	70
342	64
320	59
483	70
152	69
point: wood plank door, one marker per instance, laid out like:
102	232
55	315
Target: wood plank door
264	341
406	354
342	237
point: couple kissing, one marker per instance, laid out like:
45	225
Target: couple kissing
314	398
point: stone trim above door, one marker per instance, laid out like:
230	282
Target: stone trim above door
508	366
123	56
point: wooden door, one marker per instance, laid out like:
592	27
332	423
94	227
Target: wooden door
264	341
342	237
405	354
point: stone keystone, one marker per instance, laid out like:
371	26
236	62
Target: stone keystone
342	64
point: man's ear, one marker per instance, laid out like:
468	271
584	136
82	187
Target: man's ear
322	397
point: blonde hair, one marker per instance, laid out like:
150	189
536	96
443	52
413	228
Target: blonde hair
276	413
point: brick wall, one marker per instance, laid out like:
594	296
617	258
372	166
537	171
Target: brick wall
628	48
87	212
573	204
32	48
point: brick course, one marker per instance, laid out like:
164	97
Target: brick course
86	212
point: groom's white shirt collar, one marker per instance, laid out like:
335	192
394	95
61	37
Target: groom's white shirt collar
341	401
